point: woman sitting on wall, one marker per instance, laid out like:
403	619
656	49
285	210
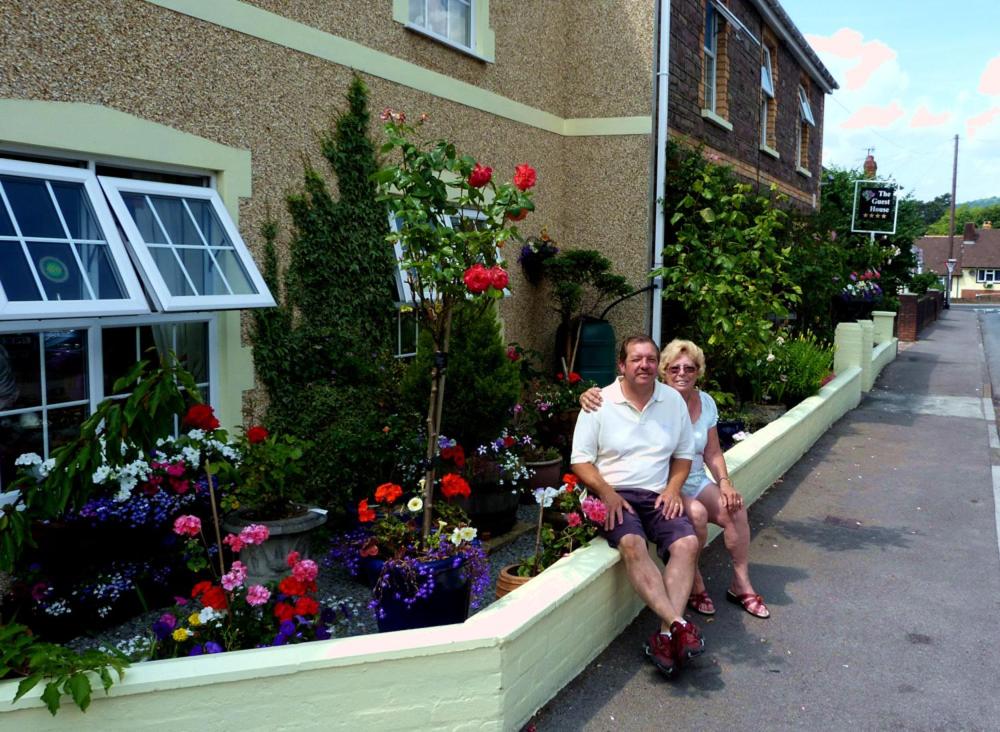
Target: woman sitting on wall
715	499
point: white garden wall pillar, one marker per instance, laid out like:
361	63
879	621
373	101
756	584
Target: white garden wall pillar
884	320
867	338
847	347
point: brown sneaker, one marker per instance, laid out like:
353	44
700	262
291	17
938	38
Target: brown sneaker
688	642
660	650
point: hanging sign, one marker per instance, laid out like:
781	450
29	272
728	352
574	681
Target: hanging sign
875	207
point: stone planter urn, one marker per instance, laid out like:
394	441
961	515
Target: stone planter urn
266	562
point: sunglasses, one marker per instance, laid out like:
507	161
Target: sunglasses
682	369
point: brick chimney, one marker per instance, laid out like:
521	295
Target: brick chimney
969	236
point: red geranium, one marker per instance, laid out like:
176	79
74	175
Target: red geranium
215	598
480	176
201	417
498	277
292	586
454	484
524	176
365	513
477	279
456	454
571	480
388	493
200	588
306	606
509	441
283	611
574	378
256	434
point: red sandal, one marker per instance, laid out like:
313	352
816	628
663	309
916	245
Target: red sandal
701	603
751	602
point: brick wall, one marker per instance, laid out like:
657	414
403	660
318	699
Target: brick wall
742	105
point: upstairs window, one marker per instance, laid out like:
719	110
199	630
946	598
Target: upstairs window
768	110
711	55
446	20
806	121
715	60
988	275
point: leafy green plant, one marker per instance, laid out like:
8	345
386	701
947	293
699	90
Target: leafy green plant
921	283
63	670
725	272
268	480
807	361
581	280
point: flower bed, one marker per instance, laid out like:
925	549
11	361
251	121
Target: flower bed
491	672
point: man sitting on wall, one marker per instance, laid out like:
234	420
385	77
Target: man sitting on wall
635	454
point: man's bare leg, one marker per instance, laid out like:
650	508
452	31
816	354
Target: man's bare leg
649	583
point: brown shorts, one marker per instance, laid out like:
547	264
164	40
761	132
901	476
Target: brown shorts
649	523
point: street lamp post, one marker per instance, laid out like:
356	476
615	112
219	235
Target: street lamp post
950	264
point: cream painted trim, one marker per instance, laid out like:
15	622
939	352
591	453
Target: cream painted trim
803	171
243	18
717	120
91	130
768	150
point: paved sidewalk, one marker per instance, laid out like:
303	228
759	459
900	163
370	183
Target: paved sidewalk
877	554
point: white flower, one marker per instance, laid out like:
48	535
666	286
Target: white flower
197	434
123	494
191	456
208	614
468	533
740	436
456	537
46	467
415	504
770	357
544	496
780	341
101	474
28	458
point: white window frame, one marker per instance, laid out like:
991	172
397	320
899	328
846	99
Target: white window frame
988	275
805	108
766	92
426	29
134	301
711	49
150	272
95	357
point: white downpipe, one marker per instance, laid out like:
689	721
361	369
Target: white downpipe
662	64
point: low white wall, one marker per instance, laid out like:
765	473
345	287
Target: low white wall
490	673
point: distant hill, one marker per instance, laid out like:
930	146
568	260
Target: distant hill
980	202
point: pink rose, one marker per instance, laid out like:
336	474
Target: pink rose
187	525
524	176
498	277
477	279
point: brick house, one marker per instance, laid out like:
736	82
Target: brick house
746	84
977	266
213	106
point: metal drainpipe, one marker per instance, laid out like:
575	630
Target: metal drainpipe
661	88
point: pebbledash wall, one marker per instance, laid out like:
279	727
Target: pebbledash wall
262	77
491	672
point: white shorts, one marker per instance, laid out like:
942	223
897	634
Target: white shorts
695	484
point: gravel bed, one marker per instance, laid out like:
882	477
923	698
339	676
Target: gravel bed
337	587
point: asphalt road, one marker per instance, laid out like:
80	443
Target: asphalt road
878	556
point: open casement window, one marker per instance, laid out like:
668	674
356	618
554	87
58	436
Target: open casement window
188	251
766	98
60	253
806	121
711	49
446	20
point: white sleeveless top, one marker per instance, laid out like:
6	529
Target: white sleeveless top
708	418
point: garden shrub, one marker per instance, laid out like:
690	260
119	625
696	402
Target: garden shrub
482	382
807	361
921	283
322	354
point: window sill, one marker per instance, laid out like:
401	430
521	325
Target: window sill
717	120
768	150
448	42
803	172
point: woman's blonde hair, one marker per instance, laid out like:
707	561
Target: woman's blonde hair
678	347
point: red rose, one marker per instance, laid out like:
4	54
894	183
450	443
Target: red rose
291	586
306	606
201	417
574	378
477	279
364	513
480	176
512	354
453	485
214	598
388	493
498	277
283	611
524	176
517	214
256	434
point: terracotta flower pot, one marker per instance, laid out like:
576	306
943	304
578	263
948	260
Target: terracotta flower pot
509	580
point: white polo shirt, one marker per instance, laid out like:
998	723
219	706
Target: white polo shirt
632	449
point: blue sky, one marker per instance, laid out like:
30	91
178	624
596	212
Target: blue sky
912	76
